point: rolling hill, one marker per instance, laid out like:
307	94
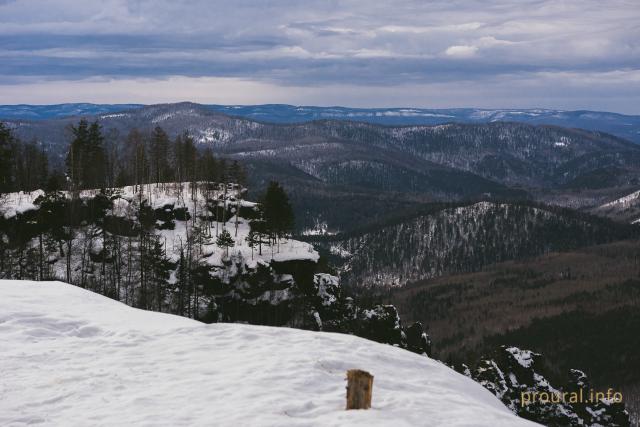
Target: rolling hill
410	164
463	238
624	126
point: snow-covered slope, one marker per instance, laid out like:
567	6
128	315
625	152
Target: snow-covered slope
72	357
624	202
625	208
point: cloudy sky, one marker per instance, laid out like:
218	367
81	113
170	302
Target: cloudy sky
571	54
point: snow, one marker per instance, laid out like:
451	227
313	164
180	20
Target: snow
563	142
523	357
211	135
320	228
71	357
113	116
624	202
338	250
179	195
12	204
325	282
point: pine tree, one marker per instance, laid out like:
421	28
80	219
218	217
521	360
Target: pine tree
76	156
158	271
95	168
159	153
253	240
237	173
86	159
207	166
259	232
277	212
182	286
138	158
225	241
7	165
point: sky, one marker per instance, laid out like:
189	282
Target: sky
565	54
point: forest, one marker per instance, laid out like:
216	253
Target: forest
94	160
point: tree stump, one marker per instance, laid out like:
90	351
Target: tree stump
359	389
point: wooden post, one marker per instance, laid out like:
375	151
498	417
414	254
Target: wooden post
359	389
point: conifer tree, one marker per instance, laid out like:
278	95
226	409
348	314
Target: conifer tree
86	159
277	212
158	267
225	241
76	156
237	173
95	169
6	159
159	153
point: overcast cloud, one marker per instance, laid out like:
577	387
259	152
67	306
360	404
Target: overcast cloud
581	54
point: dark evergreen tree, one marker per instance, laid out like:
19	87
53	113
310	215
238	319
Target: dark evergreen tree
95	169
237	173
158	270
30	166
259	233
277	212
225	241
86	159
208	167
7	166
76	156
159	154
139	161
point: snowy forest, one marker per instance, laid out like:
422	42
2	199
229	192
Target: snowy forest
174	234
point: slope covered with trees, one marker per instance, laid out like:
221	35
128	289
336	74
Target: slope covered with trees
578	308
462	239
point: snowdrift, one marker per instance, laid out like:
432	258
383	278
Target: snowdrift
72	357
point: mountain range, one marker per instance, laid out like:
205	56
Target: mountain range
347	174
624	126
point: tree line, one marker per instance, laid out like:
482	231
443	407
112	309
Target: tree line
95	160
23	166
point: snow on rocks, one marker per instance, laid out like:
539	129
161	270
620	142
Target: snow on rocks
176	197
12	204
328	287
72	357
523	357
514	375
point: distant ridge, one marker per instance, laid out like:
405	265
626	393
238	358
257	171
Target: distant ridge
624	126
58	111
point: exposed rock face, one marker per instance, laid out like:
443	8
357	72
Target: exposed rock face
514	376
382	323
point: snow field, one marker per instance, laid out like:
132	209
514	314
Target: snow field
70	357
